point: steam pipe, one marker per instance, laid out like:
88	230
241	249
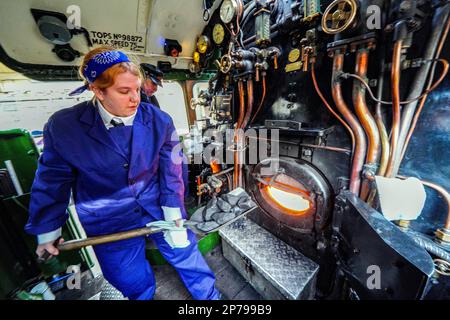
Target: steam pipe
262	100
360	139
365	116
422	101
239	138
380	124
395	83
439	23
237	177
316	86
241	104
249	103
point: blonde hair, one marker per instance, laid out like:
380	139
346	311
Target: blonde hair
107	78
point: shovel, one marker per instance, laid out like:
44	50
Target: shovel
92	241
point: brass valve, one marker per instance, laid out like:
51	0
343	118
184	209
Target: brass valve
339	16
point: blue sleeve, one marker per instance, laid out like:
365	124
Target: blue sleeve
170	170
50	192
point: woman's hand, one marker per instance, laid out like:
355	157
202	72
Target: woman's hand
50	248
179	222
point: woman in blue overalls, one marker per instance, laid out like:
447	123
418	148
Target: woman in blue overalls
120	159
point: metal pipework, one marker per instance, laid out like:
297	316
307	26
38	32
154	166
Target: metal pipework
446	196
362	111
423	99
385	146
250	100
395	83
319	93
241	54
360	139
444	233
237	177
365	116
239	135
262	99
439	23
241	104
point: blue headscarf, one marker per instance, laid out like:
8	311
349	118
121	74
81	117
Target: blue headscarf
97	65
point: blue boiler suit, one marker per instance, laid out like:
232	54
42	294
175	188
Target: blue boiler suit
119	180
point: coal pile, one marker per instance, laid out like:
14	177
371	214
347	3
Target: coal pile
222	209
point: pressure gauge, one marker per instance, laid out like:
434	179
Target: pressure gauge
218	33
203	44
230	9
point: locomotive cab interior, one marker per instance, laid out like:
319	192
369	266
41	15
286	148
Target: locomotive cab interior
334	116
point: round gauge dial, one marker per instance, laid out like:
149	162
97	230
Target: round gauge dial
218	33
203	44
228	10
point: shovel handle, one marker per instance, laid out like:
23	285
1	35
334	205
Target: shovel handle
92	241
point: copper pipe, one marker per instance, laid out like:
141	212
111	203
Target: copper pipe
239	138
237	174
385	145
439	23
426	92
241	104
380	123
395	83
428	89
360	139
262	100
417	114
316	86
249	103
363	112
444	194
365	116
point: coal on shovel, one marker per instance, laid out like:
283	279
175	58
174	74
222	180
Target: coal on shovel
198	226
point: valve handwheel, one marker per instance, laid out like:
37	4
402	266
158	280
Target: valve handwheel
225	63
339	16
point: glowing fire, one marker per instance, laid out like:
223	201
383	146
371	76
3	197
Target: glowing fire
287	201
286	194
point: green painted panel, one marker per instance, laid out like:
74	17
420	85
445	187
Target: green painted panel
18	146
